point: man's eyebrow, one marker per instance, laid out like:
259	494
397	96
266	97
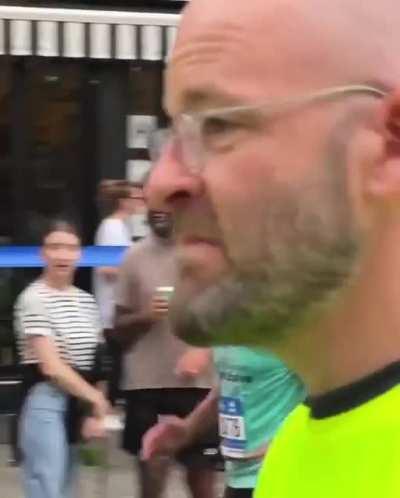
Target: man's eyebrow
201	99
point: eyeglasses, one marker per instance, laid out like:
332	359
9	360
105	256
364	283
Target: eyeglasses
196	136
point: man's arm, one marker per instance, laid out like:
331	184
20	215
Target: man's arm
204	416
174	433
129	326
131	318
193	362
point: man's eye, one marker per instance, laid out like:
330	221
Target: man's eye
216	126
220	134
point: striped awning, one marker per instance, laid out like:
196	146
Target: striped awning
94	34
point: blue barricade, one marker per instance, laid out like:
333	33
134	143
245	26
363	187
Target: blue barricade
29	256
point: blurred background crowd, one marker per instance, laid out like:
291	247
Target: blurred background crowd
77	103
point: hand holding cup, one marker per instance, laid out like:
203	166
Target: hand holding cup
160	302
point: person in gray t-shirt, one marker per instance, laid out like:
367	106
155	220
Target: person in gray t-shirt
161	375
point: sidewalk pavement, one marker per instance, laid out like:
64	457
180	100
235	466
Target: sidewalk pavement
122	481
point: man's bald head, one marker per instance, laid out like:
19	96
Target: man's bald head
276	201
338	42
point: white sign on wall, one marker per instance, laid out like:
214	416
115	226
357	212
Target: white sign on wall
138	129
137	169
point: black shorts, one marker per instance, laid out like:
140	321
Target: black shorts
144	406
238	493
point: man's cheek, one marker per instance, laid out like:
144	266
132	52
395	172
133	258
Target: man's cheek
239	200
245	235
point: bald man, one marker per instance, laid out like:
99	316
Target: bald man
283	177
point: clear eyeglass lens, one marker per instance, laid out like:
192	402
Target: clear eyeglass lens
191	143
157	142
185	140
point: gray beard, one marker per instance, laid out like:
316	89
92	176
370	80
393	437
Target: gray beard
262	309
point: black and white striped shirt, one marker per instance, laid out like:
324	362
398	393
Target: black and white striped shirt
69	316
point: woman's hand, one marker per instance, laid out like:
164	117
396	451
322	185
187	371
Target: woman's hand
93	428
101	407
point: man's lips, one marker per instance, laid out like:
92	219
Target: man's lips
204	259
199	248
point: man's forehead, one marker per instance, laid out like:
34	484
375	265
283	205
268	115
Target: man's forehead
208	96
203	12
229	56
269	48
203	52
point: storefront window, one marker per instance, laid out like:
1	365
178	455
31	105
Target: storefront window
145	88
6	200
54	163
6	208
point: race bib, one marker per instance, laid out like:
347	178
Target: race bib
232	428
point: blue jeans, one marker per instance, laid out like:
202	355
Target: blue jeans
49	462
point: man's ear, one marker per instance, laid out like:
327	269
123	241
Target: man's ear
381	171
391	123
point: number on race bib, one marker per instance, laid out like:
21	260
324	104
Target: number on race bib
232	427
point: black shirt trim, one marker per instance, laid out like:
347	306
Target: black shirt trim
356	394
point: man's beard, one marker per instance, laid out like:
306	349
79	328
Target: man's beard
259	310
310	253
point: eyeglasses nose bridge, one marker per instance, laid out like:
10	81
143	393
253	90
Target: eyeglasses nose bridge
188	137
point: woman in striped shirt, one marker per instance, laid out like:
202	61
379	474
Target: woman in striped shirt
58	334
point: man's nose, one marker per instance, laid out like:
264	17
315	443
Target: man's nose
171	183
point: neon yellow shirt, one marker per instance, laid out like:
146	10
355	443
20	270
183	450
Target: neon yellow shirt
353	454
